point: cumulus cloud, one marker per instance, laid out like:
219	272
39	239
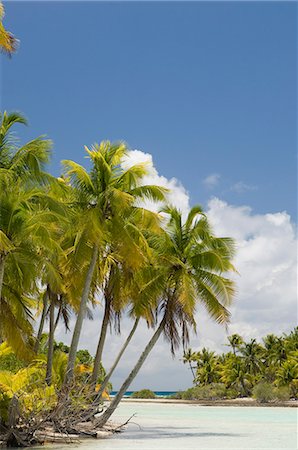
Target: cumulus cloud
266	290
178	196
211	181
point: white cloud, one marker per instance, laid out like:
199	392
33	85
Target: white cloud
211	181
266	291
178	196
241	187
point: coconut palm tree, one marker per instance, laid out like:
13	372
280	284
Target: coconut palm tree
26	162
235	341
28	222
189	357
207	371
24	231
8	43
191	266
234	374
251	353
102	197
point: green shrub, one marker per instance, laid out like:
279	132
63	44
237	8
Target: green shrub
11	362
144	393
214	391
282	393
176	396
263	392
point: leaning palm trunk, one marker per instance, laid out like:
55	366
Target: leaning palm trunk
50	344
58	317
42	321
101	342
111	371
109	411
2	261
80	318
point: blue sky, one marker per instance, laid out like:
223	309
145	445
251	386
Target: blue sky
209	90
206	88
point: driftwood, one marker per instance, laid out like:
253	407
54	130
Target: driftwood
65	422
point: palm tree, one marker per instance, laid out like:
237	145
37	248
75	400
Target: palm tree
207	371
189	357
234	374
191	264
119	286
26	162
8	43
251	353
235	341
288	371
103	196
28	225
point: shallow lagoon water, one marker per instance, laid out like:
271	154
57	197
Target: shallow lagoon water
190	427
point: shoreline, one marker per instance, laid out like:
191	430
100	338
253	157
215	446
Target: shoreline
243	402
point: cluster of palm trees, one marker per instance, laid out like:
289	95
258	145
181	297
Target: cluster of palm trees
275	361
69	243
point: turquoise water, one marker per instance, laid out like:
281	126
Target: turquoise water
157	393
191	427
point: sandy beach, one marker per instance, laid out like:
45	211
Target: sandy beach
248	402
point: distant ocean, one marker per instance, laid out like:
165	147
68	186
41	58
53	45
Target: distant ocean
161	394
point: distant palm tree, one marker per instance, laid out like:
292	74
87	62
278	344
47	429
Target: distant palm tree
235	341
207	367
189	357
234	374
252	353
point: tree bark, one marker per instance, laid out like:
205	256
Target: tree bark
42	321
109	411
50	342
2	262
80	318
101	341
110	373
58	316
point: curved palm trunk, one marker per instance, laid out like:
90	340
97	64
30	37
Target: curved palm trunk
109	411
58	317
101	342
80	318
42	321
2	262
50	344
110	373
192	371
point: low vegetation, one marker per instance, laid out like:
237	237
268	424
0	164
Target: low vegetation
144	393
267	371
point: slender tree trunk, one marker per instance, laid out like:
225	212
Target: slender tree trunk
42	321
192	371
109	411
50	343
58	317
2	262
101	341
80	318
110	373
